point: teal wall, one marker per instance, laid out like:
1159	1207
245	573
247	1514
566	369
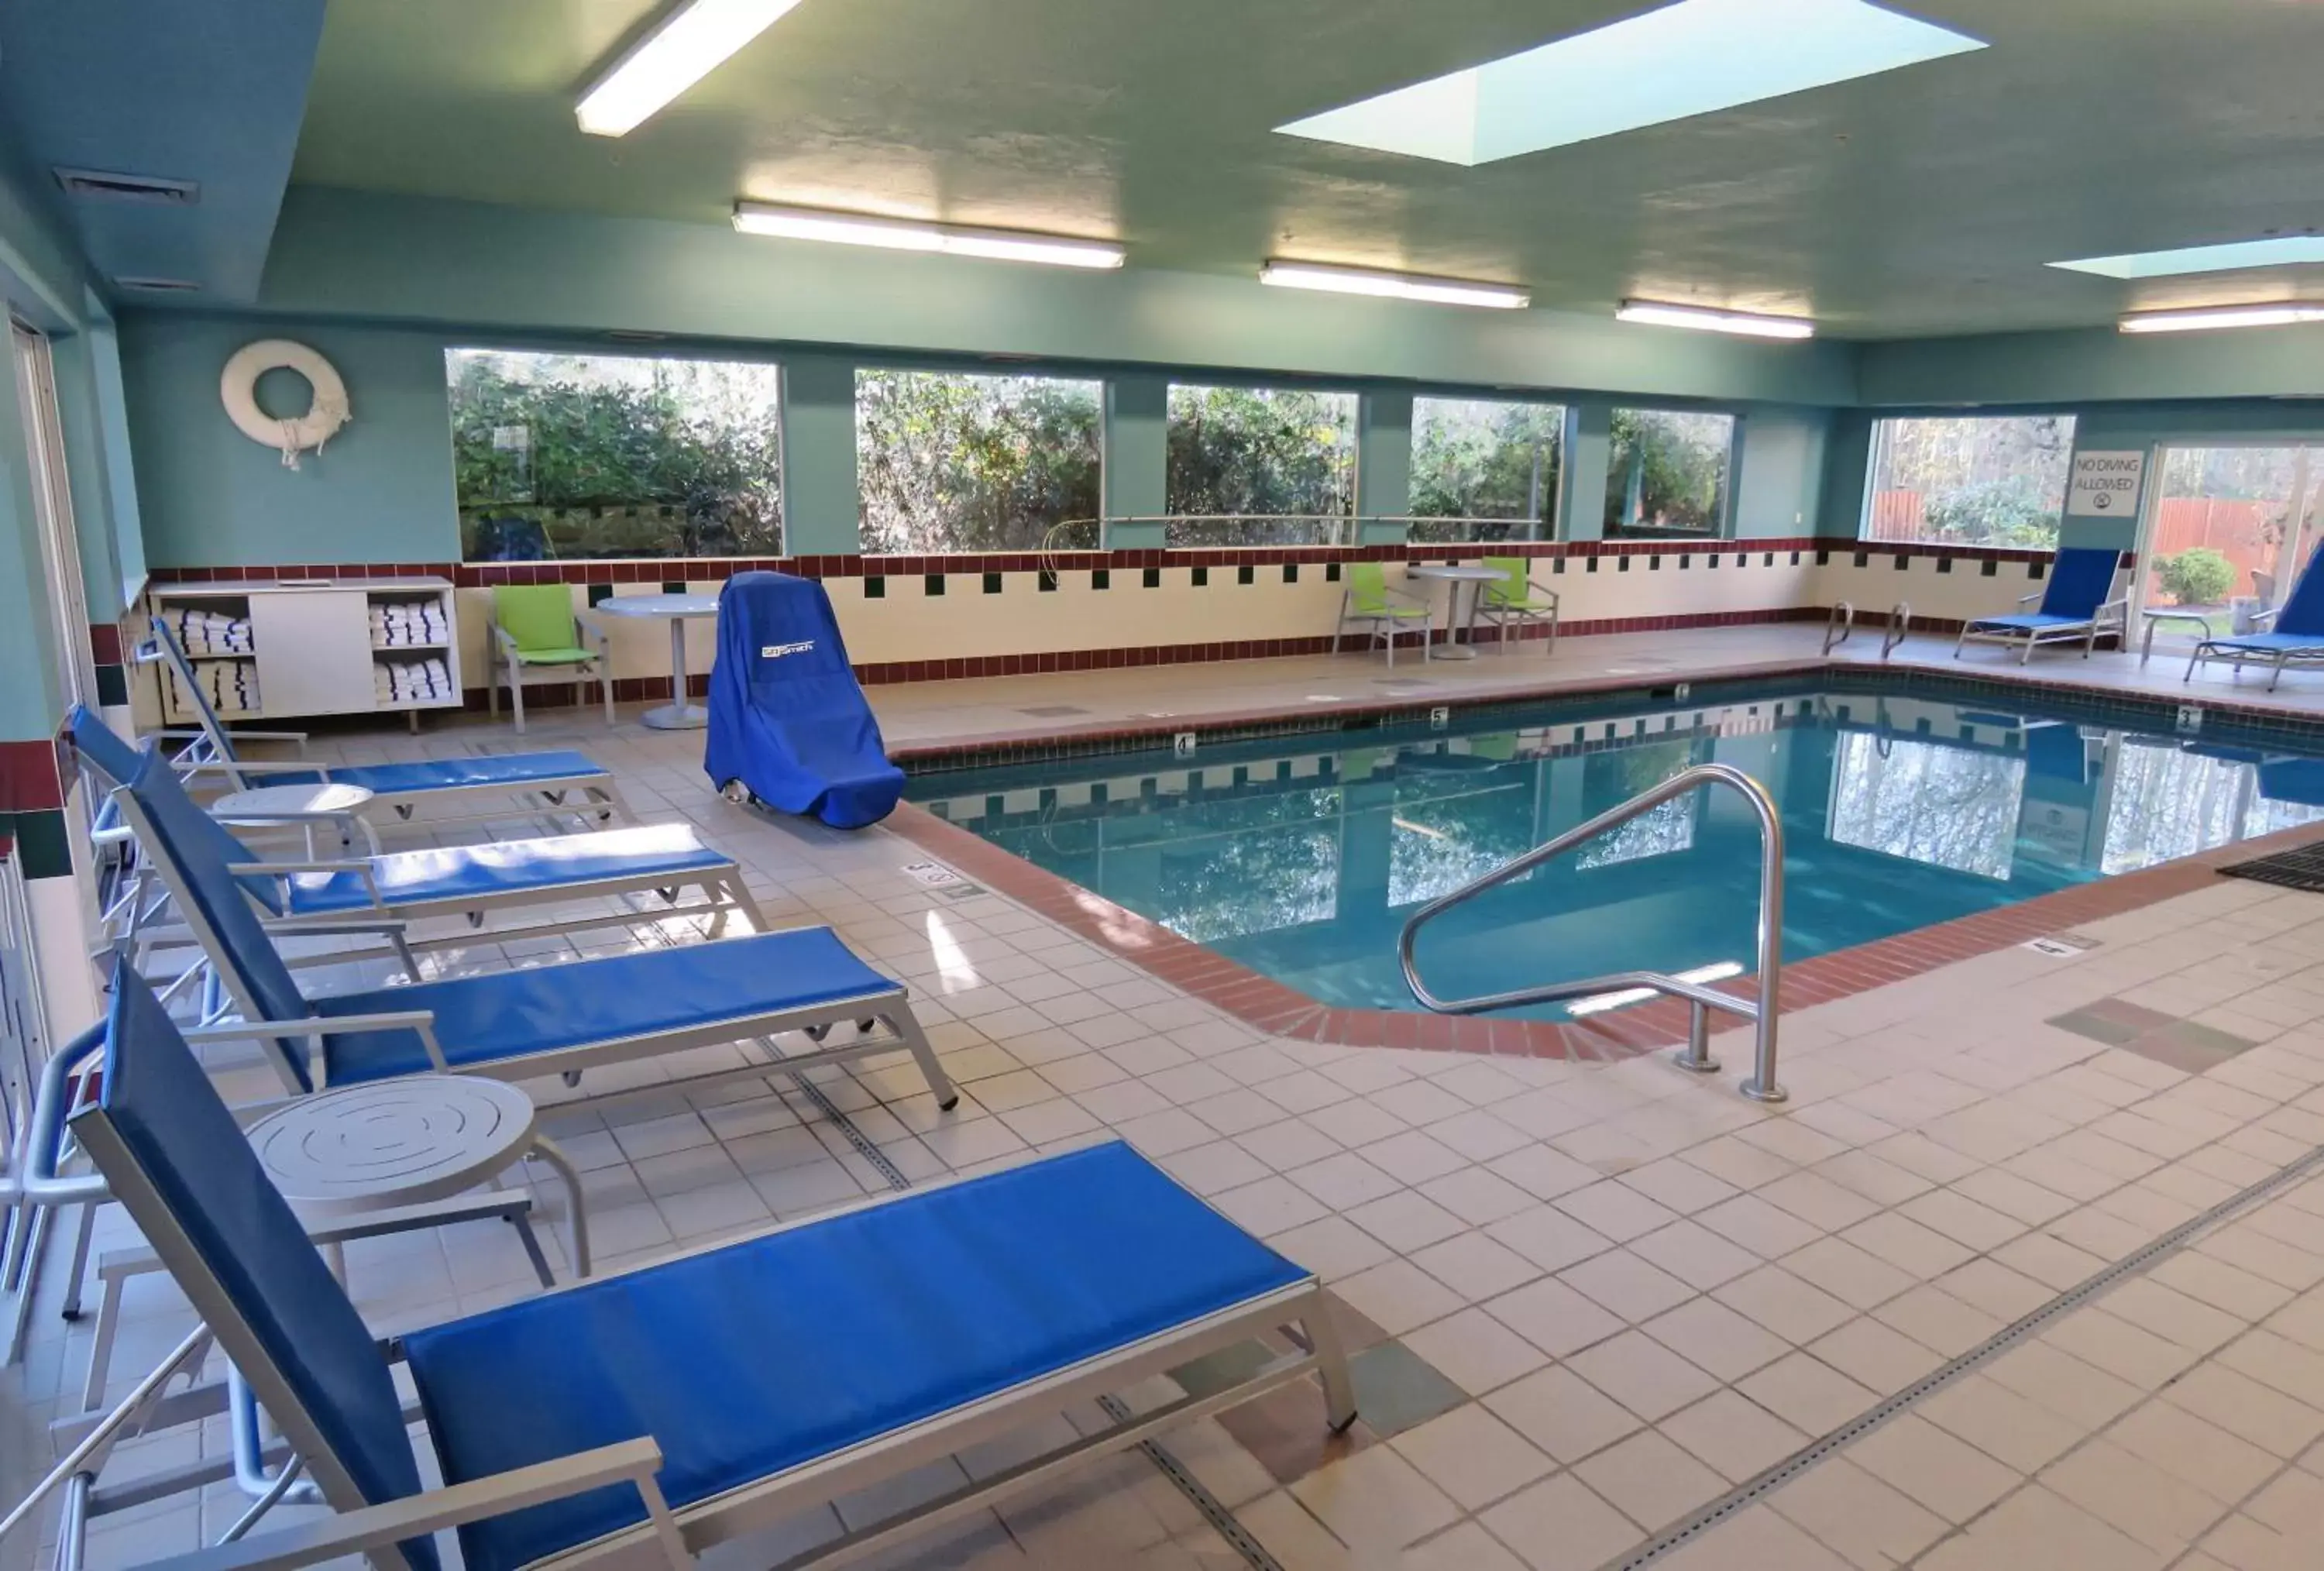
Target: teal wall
362	257
820	514
2093	366
381	491
1780	456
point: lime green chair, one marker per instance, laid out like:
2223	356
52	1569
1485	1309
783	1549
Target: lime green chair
537	637
1514	601
1385	613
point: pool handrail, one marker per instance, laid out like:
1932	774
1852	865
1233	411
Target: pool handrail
1695	1055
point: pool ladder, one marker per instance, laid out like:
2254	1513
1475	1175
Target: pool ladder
1839	626
1695	1055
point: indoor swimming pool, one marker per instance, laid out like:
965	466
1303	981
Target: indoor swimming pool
1301	856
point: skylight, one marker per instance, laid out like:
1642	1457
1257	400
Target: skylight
2281	251
1691	58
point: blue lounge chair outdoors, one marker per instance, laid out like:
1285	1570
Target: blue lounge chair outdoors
646	1415
2077	606
541	780
2293	634
460	879
516	1025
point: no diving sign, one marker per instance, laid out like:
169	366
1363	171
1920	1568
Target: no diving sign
2106	484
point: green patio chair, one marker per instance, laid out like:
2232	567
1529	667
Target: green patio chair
537	637
1514	600
1386	612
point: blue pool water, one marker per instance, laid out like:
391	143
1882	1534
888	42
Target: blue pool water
1301	856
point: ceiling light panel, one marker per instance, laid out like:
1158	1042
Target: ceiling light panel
1702	319
785	223
2284	250
2209	319
1692	58
683	48
1451	291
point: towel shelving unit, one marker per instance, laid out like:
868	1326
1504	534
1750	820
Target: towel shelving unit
312	647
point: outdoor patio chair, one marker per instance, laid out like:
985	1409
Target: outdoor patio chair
1386	612
1515	601
537	637
2077	606
2290	634
518	1025
542	780
459	880
643	1417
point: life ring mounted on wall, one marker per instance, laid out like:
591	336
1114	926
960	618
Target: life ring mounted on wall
326	413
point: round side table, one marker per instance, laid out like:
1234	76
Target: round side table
405	1142
681	713
1456	626
299	805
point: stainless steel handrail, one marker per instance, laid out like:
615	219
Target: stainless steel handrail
1899	626
1842	621
1695	1055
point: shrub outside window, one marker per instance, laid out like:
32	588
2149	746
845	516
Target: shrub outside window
951	462
1260	465
1985	480
1484	458
1666	473
607	456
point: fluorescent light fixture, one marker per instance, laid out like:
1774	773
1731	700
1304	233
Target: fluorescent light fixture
1599	1003
1704	319
683	48
906	234
1692	58
1450	291
2283	252
2206	318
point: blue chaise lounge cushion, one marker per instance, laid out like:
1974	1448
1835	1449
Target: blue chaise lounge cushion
499	1015
753	1358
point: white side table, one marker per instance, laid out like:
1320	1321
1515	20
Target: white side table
2156	619
681	713
300	805
1455	625
405	1142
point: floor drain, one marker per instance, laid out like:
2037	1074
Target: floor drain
2002	1341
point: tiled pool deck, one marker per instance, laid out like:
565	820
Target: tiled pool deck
1591	1297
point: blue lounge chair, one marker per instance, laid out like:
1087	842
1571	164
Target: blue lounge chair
2077	606
542	780
516	1025
646	1415
459	880
2293	633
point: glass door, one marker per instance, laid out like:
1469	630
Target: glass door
2227	531
36	394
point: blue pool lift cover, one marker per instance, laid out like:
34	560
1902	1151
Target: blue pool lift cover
787	720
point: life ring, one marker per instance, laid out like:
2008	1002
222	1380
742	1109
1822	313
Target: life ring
326	413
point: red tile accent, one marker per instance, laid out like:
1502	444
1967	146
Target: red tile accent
31	779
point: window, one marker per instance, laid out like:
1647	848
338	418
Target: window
1666	474
946	462
1477	459
1260	465
581	456
1986	480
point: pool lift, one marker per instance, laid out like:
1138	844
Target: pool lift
1695	1057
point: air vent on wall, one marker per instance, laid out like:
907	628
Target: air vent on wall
160	285
98	185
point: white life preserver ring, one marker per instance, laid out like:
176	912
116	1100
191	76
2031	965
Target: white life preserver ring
238	389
